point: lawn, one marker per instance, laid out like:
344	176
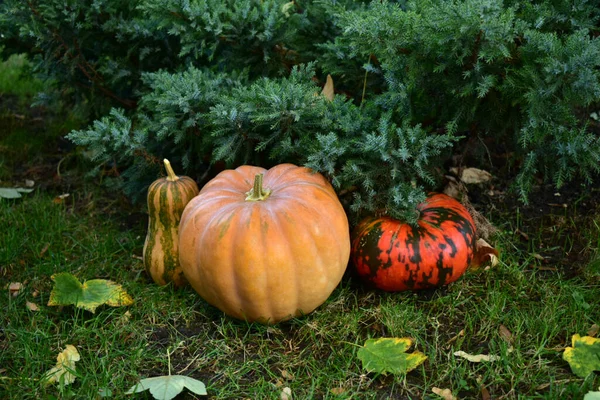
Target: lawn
523	311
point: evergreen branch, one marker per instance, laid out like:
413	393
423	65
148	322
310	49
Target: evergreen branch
85	67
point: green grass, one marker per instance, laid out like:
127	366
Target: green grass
15	78
311	355
95	234
28	135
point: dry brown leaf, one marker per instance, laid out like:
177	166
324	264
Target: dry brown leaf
557	382
445	394
61	198
472	175
338	391
15	288
32	306
476	358
328	89
454	188
286	375
459	334
505	334
593	331
485	394
562	205
484	254
522	234
495	192
44	250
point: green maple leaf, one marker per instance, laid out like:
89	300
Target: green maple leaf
167	387
389	355
584	356
89	295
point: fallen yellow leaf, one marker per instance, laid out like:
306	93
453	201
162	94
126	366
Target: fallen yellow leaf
445	394
476	358
286	394
584	356
62	373
89	294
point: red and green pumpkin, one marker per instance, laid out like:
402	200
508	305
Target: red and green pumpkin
394	256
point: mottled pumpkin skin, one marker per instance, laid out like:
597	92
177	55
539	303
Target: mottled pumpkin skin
166	201
395	256
267	260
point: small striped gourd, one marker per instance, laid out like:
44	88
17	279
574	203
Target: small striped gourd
167	197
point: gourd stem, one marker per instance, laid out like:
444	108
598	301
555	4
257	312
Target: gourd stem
171	174
258	192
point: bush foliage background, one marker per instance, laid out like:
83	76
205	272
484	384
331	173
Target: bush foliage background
208	82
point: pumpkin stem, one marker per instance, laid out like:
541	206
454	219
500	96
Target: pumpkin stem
258	192
172	177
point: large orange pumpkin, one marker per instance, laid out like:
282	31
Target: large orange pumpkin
265	245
